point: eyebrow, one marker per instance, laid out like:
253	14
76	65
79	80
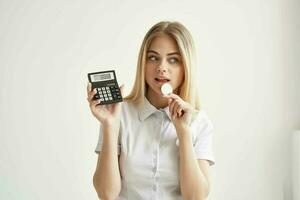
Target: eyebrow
169	54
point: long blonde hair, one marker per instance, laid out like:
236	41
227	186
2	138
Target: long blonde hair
188	90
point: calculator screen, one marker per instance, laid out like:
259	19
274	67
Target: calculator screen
102	77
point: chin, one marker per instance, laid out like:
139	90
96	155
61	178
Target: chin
154	90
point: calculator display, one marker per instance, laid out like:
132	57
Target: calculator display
102	77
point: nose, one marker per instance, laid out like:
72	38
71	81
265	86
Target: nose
162	68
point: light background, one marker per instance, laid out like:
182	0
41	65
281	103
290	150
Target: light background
248	72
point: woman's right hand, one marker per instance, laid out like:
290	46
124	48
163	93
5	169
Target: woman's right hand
107	114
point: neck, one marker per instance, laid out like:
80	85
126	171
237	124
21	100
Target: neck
156	100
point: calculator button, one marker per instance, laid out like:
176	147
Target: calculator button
104	92
106	99
109	95
101	99
110	98
107	88
119	97
105	95
101	95
103	88
108	91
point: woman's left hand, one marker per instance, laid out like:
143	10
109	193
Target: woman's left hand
180	111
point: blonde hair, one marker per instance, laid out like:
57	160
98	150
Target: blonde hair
188	90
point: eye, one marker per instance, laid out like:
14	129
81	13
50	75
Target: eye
152	58
173	60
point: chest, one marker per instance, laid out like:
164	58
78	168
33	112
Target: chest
149	152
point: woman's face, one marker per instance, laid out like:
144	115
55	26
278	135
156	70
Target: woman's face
163	64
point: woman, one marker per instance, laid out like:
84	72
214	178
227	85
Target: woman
156	146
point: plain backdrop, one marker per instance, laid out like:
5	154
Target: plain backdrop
248	58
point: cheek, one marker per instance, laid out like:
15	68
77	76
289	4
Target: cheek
180	75
148	73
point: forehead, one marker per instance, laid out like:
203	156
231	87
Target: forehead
164	44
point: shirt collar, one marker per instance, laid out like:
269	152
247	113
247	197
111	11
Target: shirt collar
147	109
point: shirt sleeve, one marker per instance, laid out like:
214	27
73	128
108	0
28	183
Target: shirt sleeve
100	142
202	138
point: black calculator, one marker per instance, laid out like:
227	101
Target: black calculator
107	87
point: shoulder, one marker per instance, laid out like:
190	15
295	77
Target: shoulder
129	106
129	110
201	116
201	121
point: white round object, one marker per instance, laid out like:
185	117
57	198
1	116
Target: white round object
166	89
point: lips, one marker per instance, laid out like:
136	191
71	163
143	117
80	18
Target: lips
162	80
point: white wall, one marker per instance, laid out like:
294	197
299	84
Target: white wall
248	73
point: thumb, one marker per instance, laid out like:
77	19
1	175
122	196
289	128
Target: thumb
122	89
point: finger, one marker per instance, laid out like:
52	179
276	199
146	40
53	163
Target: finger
169	101
169	104
94	103
180	112
92	94
171	107
89	90
177	108
171	96
122	89
89	87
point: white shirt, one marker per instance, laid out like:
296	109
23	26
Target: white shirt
149	151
